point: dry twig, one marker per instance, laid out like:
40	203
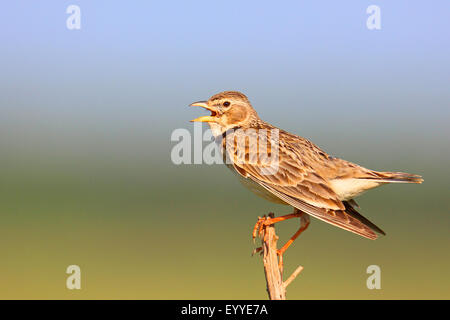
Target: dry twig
273	265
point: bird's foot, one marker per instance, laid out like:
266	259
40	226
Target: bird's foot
260	225
258	250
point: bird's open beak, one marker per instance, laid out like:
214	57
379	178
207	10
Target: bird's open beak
204	104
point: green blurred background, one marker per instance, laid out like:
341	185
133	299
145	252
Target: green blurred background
86	118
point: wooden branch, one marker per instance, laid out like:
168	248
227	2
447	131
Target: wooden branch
292	276
273	265
274	276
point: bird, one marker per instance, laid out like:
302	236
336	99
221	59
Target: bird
302	175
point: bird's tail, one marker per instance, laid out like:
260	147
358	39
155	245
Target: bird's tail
388	177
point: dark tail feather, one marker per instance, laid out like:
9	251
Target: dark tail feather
350	210
389	177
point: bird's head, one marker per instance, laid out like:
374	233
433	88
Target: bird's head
229	109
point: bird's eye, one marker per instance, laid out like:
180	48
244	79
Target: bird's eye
226	104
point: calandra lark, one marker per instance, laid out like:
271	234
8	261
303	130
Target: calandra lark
302	175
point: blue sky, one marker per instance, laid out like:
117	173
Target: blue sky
134	66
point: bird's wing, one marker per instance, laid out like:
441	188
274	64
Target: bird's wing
285	165
339	218
294	178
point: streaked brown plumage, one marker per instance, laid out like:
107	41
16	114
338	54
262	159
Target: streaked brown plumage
306	178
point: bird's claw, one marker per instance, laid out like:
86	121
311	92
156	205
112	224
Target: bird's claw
259	228
256	250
